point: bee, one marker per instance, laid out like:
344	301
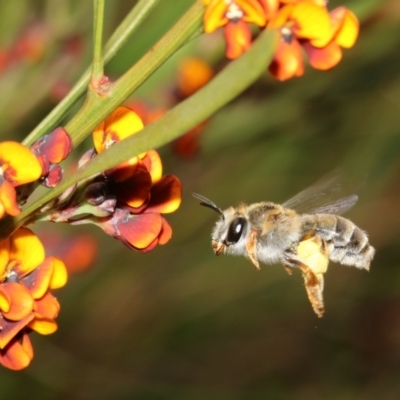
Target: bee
303	233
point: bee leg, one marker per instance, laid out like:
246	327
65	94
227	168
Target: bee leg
251	246
314	284
288	269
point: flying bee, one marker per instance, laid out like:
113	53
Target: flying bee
304	232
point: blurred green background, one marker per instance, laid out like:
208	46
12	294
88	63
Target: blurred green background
179	323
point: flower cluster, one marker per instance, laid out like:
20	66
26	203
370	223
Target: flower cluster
26	303
126	201
305	26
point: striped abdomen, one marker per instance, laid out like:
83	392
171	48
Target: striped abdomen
347	243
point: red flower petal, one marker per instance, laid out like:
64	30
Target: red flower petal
18	354
54	176
166	232
237	37
125	170
21	301
325	58
9	329
166	195
55	146
38	280
47	307
287	61
133	191
140	230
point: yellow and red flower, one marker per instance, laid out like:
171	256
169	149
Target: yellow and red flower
305	26
18	166
125	201
298	22
344	28
234	16
121	123
26	304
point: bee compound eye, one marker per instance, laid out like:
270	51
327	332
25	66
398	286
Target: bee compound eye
235	230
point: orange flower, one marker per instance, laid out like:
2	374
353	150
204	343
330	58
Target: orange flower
234	16
18	166
193	73
306	24
25	301
345	27
298	22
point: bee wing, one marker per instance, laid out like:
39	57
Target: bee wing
327	196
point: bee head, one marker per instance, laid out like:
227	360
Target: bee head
229	231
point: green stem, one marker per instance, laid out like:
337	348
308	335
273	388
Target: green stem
227	85
129	25
97	63
96	107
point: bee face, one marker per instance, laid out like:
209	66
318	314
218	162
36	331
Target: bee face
230	233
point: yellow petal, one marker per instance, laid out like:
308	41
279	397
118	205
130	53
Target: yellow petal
4	301
253	11
26	251
311	22
214	16
60	275
4	255
43	326
18	163
121	123
347	33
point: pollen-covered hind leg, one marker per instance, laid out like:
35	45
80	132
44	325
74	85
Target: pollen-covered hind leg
314	287
251	246
311	257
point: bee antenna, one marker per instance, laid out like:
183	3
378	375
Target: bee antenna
207	203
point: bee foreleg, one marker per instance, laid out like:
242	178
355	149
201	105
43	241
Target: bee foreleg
251	247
